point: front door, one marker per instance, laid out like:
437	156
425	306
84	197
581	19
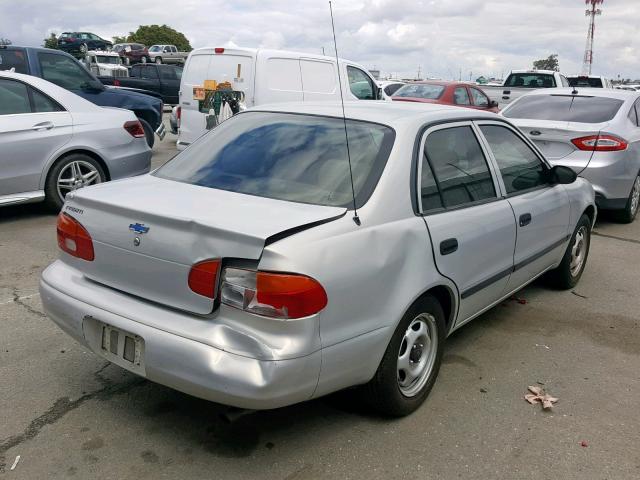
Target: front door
472	228
541	209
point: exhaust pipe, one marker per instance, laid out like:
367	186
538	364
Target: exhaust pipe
233	414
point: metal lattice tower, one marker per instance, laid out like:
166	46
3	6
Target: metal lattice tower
592	12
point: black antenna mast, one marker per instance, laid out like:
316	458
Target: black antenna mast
356	219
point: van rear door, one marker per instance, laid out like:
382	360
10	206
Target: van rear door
235	66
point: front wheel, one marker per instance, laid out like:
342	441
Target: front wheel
630	211
71	173
568	273
158	60
84	49
144	60
410	364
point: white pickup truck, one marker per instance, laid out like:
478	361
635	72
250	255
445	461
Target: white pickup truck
521	82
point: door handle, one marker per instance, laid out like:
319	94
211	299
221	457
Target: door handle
448	246
525	219
42	126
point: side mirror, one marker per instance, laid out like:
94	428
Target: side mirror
562	175
493	104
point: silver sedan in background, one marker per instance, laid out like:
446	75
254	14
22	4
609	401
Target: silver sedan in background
594	131
53	142
241	272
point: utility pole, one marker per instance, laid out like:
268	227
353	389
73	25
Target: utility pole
419	78
592	12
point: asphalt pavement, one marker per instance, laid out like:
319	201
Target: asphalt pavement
69	414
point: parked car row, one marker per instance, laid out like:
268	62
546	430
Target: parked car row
163	80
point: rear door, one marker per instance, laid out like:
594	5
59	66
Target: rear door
319	80
32	128
472	228
280	80
541	209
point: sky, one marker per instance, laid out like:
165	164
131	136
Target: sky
444	38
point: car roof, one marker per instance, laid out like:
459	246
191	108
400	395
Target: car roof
588	92
388	113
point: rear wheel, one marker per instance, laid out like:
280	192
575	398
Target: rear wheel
568	273
411	362
84	49
144	59
158	60
630	211
148	132
71	173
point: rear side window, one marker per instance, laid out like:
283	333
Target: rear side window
520	167
360	84
430	92
13	59
454	170
565	108
42	103
530	80
298	158
149	72
14	98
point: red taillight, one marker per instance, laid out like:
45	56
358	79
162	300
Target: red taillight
116	83
203	278
276	295
134	127
178	113
73	238
600	143
218	50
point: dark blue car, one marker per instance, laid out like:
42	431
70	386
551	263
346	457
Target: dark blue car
65	71
81	42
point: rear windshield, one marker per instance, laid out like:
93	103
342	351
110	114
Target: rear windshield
530	80
430	92
568	108
585	82
300	158
13	59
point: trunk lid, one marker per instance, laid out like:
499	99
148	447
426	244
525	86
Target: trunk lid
176	225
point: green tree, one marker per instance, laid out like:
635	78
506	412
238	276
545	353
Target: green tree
117	39
549	63
157	34
5	41
51	42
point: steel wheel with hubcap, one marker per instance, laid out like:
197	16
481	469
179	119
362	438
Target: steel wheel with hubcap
71	173
158	60
411	361
568	273
579	251
628	214
143	60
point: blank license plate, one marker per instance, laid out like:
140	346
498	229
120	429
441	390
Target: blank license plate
123	346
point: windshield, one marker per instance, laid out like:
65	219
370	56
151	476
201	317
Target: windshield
108	59
585	82
530	80
430	92
567	108
155	48
284	156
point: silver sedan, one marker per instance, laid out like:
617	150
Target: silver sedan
53	142
251	271
596	132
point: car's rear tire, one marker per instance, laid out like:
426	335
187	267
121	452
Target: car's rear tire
144	60
568	273
628	214
411	361
149	135
158	60
70	173
84	49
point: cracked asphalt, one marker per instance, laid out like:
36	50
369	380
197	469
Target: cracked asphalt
70	414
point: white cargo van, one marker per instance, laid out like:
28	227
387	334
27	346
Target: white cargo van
266	76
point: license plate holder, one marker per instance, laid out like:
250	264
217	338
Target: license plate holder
119	346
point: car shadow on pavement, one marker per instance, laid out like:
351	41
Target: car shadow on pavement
25	211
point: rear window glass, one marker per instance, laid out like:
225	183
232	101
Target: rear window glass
298	158
585	82
13	59
430	92
567	108
530	80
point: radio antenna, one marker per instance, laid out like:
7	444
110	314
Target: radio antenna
356	218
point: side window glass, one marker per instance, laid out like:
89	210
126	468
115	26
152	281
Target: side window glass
14	98
360	84
520	167
479	98
461	97
431	199
135	71
149	72
42	103
460	169
633	115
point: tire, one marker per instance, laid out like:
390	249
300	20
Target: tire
158	60
66	168
568	273
144	60
84	49
394	393
628	214
148	132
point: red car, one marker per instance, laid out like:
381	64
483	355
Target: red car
134	52
446	93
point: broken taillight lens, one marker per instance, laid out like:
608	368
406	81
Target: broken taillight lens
73	238
600	143
276	295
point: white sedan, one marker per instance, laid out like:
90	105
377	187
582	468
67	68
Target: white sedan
53	142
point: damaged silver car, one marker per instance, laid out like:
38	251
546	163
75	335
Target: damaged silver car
269	263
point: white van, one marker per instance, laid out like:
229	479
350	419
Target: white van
266	76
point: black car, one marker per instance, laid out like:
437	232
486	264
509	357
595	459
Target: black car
163	80
77	43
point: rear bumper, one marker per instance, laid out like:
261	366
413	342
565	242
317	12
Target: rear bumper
128	160
173	359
